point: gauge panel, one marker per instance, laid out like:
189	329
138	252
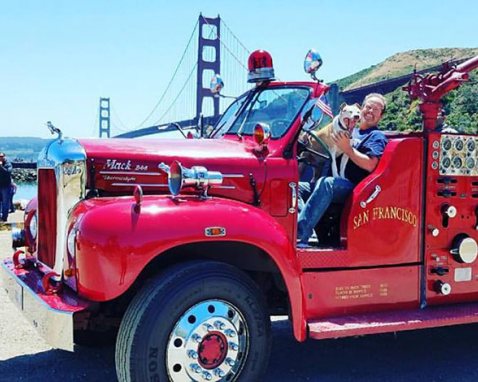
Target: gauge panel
458	155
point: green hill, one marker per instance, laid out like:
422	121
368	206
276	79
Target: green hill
461	105
404	63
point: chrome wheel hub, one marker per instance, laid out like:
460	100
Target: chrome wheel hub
208	343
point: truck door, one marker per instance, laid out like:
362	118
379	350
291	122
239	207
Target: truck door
378	265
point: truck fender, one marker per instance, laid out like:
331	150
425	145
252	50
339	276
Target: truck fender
116	240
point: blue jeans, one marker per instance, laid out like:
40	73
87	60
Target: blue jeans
5	201
315	199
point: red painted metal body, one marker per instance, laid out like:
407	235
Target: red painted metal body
113	255
431	88
386	267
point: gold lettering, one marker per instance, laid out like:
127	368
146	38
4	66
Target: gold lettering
375	213
394	212
354	292
365	216
361	219
387	213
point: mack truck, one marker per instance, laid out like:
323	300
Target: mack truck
182	250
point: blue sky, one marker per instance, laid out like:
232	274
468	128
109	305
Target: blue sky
58	57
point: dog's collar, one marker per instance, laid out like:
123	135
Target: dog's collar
342	127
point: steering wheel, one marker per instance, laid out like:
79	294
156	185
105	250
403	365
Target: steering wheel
310	158
319	157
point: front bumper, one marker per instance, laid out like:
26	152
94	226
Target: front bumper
53	316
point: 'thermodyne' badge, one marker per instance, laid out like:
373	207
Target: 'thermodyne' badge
215	231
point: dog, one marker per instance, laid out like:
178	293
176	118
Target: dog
320	140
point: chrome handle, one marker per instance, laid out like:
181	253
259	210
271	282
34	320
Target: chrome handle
293	189
371	197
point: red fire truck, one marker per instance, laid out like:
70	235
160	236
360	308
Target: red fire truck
186	247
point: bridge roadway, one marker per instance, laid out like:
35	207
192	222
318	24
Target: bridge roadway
444	354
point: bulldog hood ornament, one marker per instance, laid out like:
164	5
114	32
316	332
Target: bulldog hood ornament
54	130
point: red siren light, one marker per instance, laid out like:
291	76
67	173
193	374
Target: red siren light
260	67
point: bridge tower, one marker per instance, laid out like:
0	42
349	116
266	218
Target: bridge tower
209	61
104	120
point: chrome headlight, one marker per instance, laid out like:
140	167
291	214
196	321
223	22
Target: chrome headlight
34	226
71	242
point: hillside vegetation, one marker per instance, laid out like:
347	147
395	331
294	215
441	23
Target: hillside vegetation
461	105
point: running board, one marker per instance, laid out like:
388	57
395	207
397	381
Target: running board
394	321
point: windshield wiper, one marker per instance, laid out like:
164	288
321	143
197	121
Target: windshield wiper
239	131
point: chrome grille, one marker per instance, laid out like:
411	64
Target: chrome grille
47	216
61	184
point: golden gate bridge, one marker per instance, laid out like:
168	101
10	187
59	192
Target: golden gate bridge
187	101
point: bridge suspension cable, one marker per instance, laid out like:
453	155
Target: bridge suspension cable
183	107
186	107
172	78
235	37
234	53
234	64
123	127
178	95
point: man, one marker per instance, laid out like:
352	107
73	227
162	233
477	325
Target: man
13	191
364	154
5	184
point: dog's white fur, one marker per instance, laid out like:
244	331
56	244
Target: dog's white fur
352	113
343	122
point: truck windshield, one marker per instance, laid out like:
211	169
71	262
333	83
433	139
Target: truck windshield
224	124
277	106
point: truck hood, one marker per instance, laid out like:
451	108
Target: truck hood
115	166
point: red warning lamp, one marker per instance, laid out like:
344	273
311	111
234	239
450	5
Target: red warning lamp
260	67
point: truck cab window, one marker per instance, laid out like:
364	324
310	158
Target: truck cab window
277	107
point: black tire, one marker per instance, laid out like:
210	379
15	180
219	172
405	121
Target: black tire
197	321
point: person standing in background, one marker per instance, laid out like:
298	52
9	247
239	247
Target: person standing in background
13	191
5	186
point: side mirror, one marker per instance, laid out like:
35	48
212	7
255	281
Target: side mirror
216	85
312	63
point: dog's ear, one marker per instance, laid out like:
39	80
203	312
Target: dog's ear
358	106
342	106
